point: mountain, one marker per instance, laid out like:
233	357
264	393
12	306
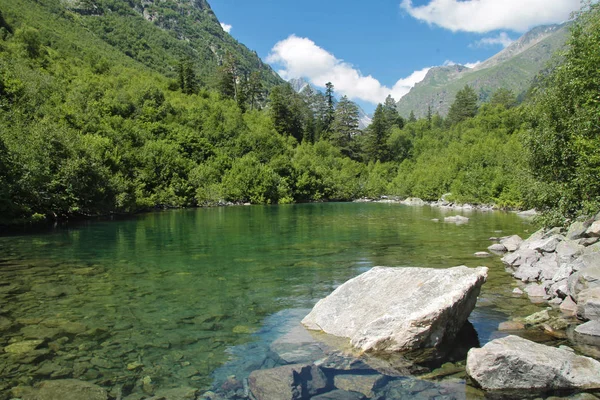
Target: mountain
162	34
513	68
299	84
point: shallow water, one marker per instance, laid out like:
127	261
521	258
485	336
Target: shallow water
189	296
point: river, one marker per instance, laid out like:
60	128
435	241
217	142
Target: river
175	295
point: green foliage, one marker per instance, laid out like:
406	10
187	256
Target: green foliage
565	135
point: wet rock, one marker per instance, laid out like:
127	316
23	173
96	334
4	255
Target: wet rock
66	389
287	382
53	290
365	384
65	326
339	395
517	291
537	318
40	332
590	328
100	362
148	386
564	272
134	366
511	326
497	248
370	309
559	289
183	393
516	363
5	324
298	346
512	243
20	348
457	219
482	254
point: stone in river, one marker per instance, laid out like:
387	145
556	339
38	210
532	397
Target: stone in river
25	346
497	248
291	382
339	395
64	389
365	384
371	310
298	346
457	219
514	363
591	328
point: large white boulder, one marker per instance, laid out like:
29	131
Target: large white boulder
512	363
394	309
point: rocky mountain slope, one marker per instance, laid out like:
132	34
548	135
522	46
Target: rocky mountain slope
162	33
513	68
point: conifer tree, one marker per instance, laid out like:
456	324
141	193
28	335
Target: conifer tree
464	106
345	125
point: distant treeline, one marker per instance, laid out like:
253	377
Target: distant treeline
94	132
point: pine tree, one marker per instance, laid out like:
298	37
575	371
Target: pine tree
464	106
375	141
345	125
330	110
392	118
227	78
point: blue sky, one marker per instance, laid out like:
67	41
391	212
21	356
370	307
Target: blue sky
371	49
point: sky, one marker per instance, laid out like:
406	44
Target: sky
369	50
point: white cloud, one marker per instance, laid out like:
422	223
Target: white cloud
226	27
502	39
472	65
488	15
302	58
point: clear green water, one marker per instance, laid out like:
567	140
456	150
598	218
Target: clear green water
179	291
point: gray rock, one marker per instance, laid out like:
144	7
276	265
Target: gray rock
514	363
534	237
482	254
535	290
586	278
546	245
568	306
66	389
512	243
564	272
592	250
588	306
589	241
432	306
521	256
497	248
591	328
559	289
548	266
593	230
577	229
289	382
568	250
527	273
517	291
413	201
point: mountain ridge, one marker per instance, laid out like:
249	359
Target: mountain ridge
513	68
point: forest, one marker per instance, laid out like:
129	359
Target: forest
87	130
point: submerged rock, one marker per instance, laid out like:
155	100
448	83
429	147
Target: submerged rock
432	307
457	219
291	382
64	389
512	363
